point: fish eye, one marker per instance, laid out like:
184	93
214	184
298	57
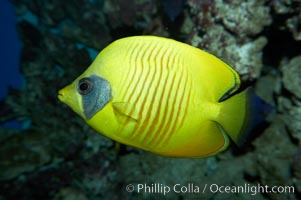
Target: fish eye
85	86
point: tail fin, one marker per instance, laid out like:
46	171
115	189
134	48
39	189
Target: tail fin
235	114
241	113
259	110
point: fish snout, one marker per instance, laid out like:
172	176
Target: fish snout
61	95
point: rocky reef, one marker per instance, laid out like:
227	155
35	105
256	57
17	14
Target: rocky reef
55	155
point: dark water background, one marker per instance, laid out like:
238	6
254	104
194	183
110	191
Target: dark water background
9	49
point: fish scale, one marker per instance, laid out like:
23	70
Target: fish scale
130	73
148	61
146	86
182	105
146	131
137	90
161	103
154	113
173	99
170	129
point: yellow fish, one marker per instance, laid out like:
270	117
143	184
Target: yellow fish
162	96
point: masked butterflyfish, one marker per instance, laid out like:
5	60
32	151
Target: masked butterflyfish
162	96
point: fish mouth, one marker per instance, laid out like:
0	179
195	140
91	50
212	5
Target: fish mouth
61	96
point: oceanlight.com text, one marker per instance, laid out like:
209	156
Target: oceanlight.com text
159	188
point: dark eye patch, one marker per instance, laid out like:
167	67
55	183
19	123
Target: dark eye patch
96	93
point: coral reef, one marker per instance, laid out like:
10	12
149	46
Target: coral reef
231	32
55	155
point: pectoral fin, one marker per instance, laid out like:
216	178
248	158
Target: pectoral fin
125	112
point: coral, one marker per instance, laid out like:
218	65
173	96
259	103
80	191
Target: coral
120	13
231	40
291	79
267	86
290	11
292	76
293	122
70	194
243	18
296	167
